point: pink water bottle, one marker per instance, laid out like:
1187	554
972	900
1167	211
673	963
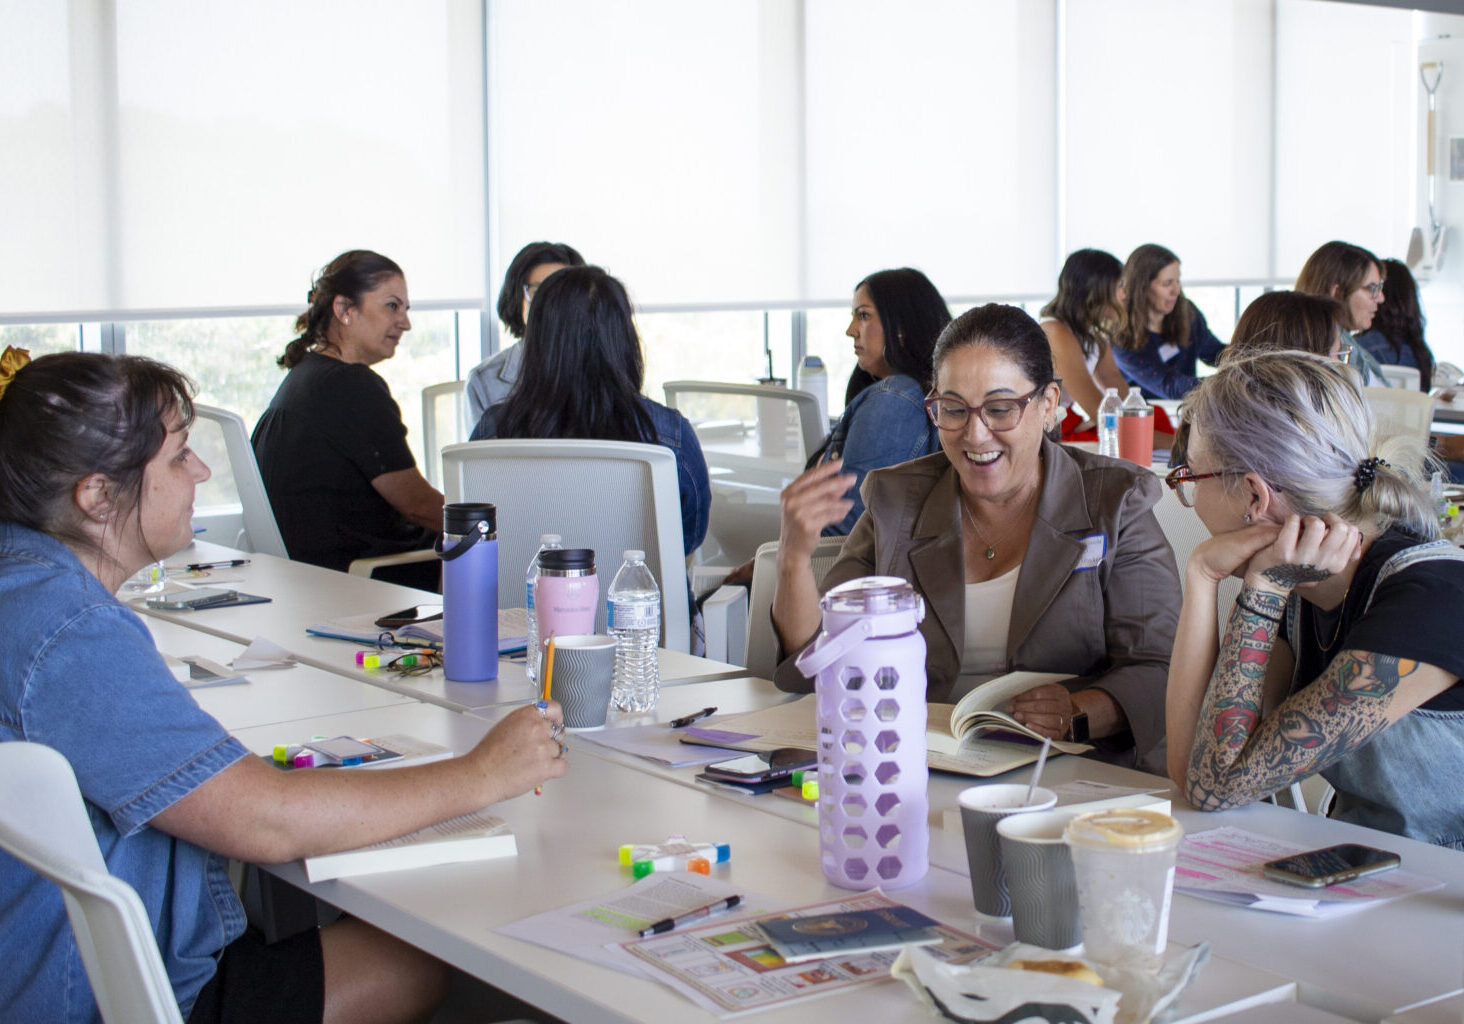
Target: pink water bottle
566	595
869	666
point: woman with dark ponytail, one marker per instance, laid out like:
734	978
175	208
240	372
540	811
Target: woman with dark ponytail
1341	655
332	447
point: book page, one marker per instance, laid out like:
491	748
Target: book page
996	692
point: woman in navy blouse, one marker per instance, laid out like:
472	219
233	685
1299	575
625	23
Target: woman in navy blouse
1165	333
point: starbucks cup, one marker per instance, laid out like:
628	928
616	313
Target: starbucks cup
1123	861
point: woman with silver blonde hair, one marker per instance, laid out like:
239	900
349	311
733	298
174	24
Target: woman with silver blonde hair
1339	655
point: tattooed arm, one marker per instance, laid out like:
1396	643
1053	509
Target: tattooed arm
1240	757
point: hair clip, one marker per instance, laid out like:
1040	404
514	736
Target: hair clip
1367	471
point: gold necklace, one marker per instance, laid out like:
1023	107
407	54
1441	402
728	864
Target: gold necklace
990	547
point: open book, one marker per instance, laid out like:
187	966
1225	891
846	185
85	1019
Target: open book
474	836
963	731
957	737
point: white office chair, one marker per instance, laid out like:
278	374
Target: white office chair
762	644
755	438
722	412
1405	377
1409	413
44	824
1446	375
259	532
611	496
444	422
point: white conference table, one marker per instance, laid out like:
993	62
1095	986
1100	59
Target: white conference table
271	695
1404	956
568	840
302	595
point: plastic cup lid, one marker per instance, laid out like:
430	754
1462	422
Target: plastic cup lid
1123	829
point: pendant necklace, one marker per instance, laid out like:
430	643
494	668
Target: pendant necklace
990	547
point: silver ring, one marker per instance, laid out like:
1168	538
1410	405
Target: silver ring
562	750
556	730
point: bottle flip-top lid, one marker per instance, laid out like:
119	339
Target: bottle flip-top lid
891	601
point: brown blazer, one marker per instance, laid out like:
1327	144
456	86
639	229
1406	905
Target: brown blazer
1111	626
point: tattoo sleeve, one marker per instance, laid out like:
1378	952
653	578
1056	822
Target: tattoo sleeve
1238	757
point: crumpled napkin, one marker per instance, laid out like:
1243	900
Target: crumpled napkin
262	654
985	990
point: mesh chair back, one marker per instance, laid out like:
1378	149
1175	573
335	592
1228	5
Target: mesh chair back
762	642
444	422
236	477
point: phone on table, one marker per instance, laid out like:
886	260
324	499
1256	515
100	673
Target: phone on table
769	766
191	599
1330	865
407	616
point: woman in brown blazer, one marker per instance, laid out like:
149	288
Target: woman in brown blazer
1030	555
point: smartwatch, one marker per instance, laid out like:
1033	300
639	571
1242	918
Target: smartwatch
1078	727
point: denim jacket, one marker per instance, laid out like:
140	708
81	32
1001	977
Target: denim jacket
673	431
79	673
1164	374
884	425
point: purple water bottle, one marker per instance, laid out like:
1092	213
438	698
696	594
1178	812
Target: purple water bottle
869	664
469	552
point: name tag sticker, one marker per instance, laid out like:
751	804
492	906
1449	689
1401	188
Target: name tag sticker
1168	351
1095	546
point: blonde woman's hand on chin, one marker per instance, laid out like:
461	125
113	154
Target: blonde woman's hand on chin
818	498
1306	552
1228	554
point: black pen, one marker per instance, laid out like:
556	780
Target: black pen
695	716
229	564
669	923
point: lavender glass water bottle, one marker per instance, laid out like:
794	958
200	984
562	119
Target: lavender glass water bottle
469	552
869	664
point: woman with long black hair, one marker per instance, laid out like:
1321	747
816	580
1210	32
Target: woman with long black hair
581	376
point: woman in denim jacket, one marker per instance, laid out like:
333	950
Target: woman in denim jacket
97	481
581	377
897	316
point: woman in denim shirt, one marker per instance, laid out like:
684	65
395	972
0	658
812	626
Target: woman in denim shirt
582	375
1165	332
96	482
897	316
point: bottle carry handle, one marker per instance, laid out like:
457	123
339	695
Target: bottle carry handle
819	656
479	531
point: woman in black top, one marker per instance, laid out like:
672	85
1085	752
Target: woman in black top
332	447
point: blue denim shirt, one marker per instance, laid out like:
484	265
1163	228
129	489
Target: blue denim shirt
1172	377
673	431
884	425
79	672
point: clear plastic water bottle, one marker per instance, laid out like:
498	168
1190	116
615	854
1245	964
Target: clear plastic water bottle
634	605
547	542
1108	423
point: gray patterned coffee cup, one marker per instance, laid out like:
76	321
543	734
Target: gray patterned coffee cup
1039	879
981	808
584	666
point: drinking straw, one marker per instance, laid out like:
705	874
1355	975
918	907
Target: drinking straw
1037	772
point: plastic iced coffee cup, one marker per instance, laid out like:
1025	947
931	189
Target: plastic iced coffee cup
1123	861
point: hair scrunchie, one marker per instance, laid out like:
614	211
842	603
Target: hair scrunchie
11	362
1367	471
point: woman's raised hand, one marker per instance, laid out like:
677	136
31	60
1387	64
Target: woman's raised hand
1307	550
818	498
1227	554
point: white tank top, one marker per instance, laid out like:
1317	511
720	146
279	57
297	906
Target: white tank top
1090	360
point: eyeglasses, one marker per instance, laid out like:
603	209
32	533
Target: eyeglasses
998	414
1182	480
530	289
1375	290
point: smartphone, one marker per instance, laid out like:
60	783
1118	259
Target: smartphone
407	616
768	766
345	750
1317	868
190	599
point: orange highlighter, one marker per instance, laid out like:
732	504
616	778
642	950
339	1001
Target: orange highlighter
548	687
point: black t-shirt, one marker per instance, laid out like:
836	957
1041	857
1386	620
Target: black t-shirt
331	429
1415	614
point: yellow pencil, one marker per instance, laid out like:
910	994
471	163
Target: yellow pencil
548	685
